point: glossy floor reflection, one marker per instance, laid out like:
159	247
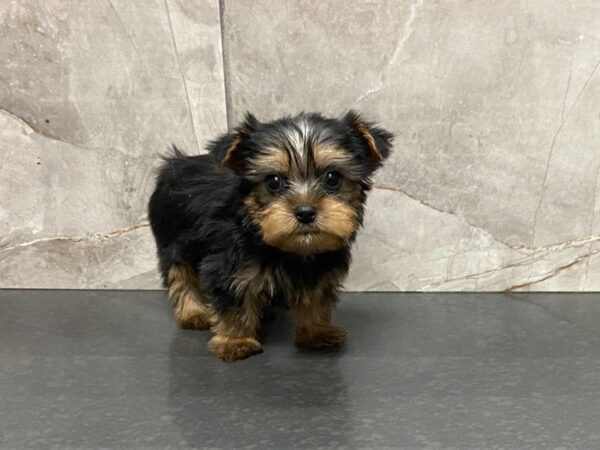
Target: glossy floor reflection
88	369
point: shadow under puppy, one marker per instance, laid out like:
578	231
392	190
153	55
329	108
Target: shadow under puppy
268	215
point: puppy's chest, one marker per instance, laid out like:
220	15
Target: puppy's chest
269	282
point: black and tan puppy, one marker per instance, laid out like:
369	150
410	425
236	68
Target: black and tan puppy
267	216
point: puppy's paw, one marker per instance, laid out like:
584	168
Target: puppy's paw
197	322
231	349
321	336
192	314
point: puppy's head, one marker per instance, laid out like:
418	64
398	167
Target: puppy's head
309	176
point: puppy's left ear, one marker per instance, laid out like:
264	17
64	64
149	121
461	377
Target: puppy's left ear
228	149
378	141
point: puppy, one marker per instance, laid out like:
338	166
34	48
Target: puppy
268	216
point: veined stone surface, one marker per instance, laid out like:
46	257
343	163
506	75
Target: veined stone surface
496	108
90	94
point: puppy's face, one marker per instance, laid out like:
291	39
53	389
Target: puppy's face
309	177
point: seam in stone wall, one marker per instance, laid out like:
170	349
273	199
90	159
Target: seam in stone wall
226	65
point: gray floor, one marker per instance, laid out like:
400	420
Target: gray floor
111	369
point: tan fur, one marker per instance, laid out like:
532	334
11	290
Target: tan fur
232	349
276	221
190	310
313	321
336	222
239	322
270	160
235	330
319	336
228	159
365	133
326	156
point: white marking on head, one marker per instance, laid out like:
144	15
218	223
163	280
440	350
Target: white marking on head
296	139
304	127
298	135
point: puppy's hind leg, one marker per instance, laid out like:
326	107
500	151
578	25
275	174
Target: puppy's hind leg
191	310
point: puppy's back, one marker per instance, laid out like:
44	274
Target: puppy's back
193	207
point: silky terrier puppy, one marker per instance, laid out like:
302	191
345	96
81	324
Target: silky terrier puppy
267	217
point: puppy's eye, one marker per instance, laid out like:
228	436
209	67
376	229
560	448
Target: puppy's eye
333	179
275	183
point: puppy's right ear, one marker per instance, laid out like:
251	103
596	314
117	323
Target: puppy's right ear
228	149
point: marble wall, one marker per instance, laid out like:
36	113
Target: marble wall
496	108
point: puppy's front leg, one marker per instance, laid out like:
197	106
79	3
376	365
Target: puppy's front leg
235	332
313	322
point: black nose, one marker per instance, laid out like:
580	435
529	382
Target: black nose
305	214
